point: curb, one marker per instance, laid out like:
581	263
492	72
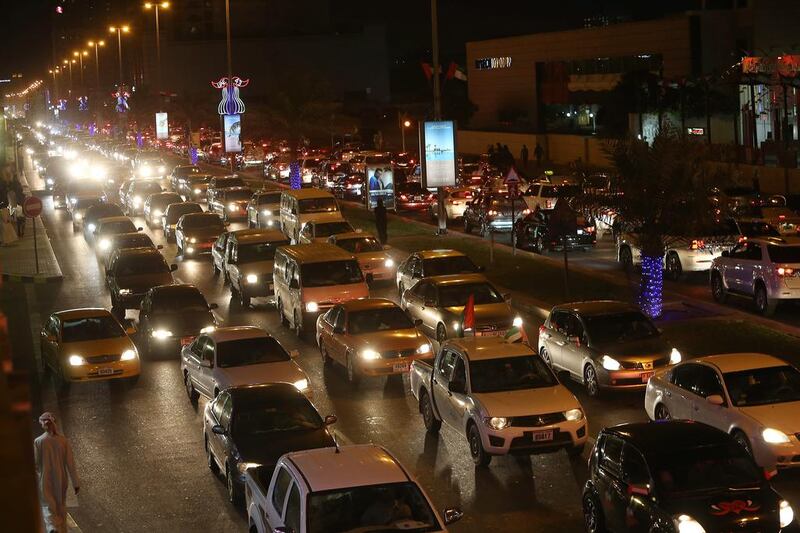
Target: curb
14	278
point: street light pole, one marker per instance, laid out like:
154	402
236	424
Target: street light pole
406	124
96	44
437	104
119	31
80	55
155	7
230	65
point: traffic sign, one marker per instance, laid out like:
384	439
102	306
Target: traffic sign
511	177
32	207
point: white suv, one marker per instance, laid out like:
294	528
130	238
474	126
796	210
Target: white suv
766	269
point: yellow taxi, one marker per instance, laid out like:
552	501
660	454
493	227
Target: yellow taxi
88	345
370	337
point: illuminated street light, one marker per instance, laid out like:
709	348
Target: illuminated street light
406	124
155	7
119	30
80	56
97	44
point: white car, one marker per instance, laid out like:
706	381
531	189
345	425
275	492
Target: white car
765	269
754	397
238	355
348	488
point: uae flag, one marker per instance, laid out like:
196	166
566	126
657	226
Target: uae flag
468	317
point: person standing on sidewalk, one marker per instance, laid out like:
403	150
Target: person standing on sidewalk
54	460
538	153
524	156
8	220
19	218
380	221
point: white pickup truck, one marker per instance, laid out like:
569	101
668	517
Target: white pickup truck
501	396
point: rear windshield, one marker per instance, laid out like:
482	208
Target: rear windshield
262	251
165	200
457	295
84	203
360	245
204	221
229	182
758	229
318	205
272	198
199	179
456	264
238	196
141	264
121	226
136	240
89	329
145	187
179	300
104	210
784	254
257	350
177	210
331	273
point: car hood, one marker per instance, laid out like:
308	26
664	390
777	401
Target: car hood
496	314
267	448
143	282
527	402
781	416
729	509
116	345
336	294
371	257
202	233
182	323
642	349
399	339
281	372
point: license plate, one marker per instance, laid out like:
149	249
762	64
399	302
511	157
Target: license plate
543	436
580	232
401	367
186	340
490	333
646	376
418	198
105	371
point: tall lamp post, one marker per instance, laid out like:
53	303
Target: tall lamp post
155	6
437	103
79	55
119	30
54	71
406	124
96	45
69	64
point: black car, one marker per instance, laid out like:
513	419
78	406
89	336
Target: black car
194	187
95	213
533	232
220	183
182	172
171	316
132	272
254	425
173	213
677	476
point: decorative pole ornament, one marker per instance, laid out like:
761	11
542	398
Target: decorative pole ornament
231	103
122	96
83	103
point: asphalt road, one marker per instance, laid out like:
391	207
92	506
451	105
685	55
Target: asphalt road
140	451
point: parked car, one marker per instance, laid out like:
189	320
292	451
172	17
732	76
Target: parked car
171	316
534	233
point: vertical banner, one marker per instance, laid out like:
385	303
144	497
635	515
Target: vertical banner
162	126
439	161
232	128
380	184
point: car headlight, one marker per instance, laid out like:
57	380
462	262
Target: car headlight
124	292
573	415
232	206
786	513
161	334
144	171
674	357
76	360
192	240
189	250
517	322
312	307
73	201
389	263
156	214
137	200
774	436
424	348
301	384
456	325
77	216
369	354
127	355
609	363
92	227
252	278
243	466
197	191
162	170
266	213
498	422
686	524
50	181
208	329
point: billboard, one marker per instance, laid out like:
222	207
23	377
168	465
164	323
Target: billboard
232	128
162	126
439	163
380	184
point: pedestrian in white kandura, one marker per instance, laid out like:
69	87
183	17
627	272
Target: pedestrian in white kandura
53	455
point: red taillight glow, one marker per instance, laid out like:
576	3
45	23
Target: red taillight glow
783	271
697	245
541	329
526	211
403	197
590	229
781	217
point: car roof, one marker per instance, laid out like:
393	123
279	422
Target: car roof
432	254
356	465
483	348
310	192
178	287
265	392
206	214
83	312
316	252
368	303
111	220
232	333
236	189
458	279
352	235
668	436
734	362
596	307
776	241
250	236
184	204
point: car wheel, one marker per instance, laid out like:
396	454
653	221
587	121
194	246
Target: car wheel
180	249
764	305
441	334
234	490
662	413
214	268
593	515
538	245
191	392
479	455
626	258
250	224
284	321
352	374
743	441
131	381
546	357
212	464
673	268
590	381
432	424
718	288
484	230
467	226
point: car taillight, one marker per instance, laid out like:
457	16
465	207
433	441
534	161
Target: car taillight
781	217
403	197
526	211
697	245
549	204
541	329
492	212
590	229
785	271
431	196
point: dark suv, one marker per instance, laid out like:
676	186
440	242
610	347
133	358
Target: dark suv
134	271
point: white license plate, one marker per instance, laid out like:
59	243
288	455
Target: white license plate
490	333
401	367
543	436
646	376
105	371
580	232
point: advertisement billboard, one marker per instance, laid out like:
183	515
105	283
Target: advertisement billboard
162	126
380	184
439	164
232	128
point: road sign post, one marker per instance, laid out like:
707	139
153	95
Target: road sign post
512	182
32	208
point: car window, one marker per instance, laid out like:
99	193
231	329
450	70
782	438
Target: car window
574	327
291	518
635	467
687	377
279	489
429	293
708	382
198	346
208	351
783	254
218	405
227	409
340	319
446	363
558	321
611	455
330	316
459	371
416	267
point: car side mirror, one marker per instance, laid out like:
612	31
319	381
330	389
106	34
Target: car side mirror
205	363
218	430
715	399
330	420
160	247
213	305
173	267
294	353
293	284
726	253
140	229
458	387
417	322
452	515
338	330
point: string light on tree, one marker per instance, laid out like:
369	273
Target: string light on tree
651	297
295	179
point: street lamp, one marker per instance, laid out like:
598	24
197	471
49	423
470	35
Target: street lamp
119	30
406	124
155	7
97	44
80	55
69	64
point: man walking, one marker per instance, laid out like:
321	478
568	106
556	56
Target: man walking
53	456
538	153
524	156
380	221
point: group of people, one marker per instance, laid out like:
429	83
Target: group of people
501	157
12	216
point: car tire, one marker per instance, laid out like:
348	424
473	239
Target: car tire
626	258
212	464
764	305
131	381
546	357
191	392
576	451
235	495
741	438
718	291
590	381
441	334
662	413
243	299
352	374
214	268
538	246
284	320
298	326
484	230
476	451
672	267
593	519
432	424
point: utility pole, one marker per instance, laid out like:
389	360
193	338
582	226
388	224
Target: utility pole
230	69
437	104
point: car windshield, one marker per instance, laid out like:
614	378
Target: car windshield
332	228
120	226
200	179
457	295
90	329
318	205
133	240
262	251
179	300
758	229
331	273
85	203
142	264
272	198
559	191
510	373
294	413
185	171
360	245
619	327
763	386
784	254
386	319
238	196
371	508
163	200
176	211
103	210
227	183
454	264
146	187
252	351
704	469
203	221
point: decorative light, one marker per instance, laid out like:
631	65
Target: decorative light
651	298
193	155
122	96
231	103
295	181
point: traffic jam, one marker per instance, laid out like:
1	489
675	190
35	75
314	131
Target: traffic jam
271	223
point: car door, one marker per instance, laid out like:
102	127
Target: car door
748	267
636	478
229	262
293	511
575	345
307	233
457	401
192	359
407	276
554	337
709	383
326	328
215	442
49	342
613	496
684	378
206	370
440	384
276	497
218	250
339	344
223	442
